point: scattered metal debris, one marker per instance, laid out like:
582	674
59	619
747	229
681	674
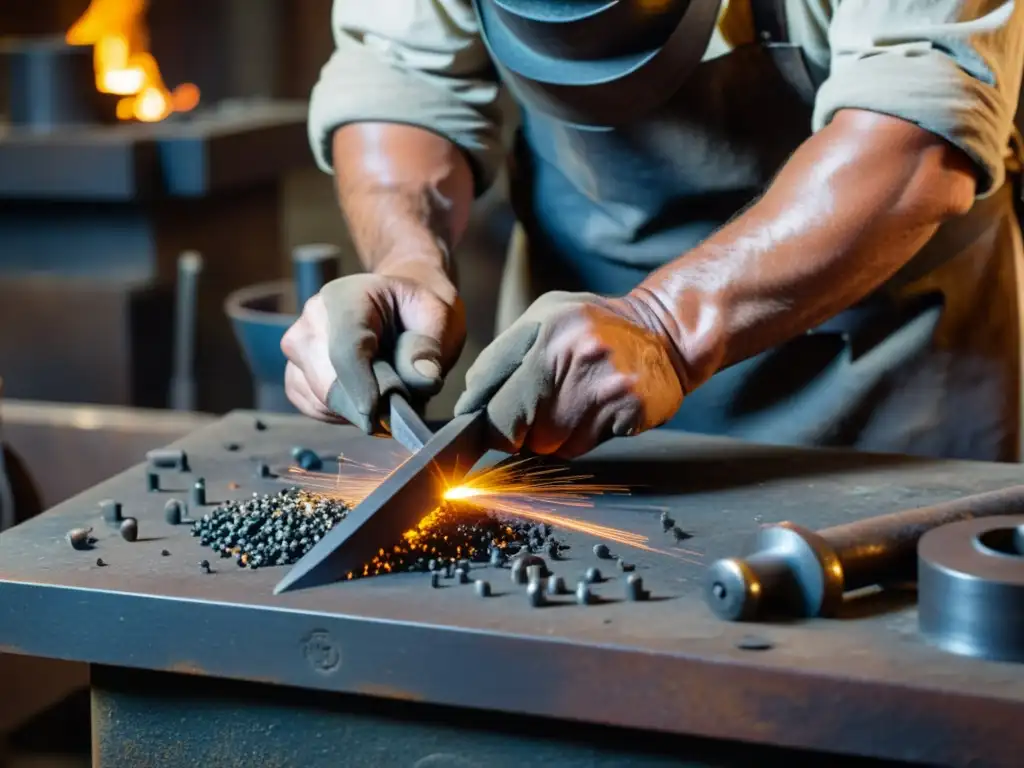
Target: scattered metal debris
174	512
100	563
80	538
635	591
152	482
754	643
624	566
198	497
111	510
556	585
583	594
435	579
593	576
130	529
602	552
168	458
483	588
535	594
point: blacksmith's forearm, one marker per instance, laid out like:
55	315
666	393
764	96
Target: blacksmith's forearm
849	209
406	194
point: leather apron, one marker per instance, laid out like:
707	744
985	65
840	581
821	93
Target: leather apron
929	365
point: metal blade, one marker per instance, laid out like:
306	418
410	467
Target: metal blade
406	426
397	505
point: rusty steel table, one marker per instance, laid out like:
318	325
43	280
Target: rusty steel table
191	668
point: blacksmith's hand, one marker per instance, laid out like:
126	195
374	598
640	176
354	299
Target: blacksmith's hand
416	322
573	371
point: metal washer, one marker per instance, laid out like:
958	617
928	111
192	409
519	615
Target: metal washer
971	587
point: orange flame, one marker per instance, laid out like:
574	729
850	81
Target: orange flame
116	29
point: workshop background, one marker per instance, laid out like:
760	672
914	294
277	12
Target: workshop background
129	220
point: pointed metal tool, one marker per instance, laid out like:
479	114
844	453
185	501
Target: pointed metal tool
405	497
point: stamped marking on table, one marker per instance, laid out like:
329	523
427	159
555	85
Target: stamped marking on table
321	652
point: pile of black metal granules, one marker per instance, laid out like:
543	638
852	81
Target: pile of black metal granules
455	532
278	529
273	529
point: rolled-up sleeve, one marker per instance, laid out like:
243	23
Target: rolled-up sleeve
415	62
952	67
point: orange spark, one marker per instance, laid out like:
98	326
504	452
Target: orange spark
513	489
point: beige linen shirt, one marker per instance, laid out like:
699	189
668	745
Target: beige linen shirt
951	66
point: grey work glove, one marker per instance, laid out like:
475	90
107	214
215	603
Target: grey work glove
418	326
573	371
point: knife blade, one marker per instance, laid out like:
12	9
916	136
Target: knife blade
405	497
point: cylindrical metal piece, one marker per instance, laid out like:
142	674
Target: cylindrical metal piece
800	573
186	313
168	458
198	497
315	265
52	84
971	588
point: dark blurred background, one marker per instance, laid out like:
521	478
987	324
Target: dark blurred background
148	267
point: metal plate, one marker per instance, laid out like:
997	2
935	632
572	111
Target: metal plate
667	665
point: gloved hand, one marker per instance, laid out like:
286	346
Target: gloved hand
573	371
417	323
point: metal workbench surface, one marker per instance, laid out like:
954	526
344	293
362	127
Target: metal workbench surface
862	684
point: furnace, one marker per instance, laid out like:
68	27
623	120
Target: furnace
107	174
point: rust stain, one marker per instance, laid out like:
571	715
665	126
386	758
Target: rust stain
386	692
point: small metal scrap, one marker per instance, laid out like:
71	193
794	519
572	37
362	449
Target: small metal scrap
602	551
462	575
518	571
635	591
497	557
754	643
583	594
535	594
263	470
483	588
625	567
667	523
593	576
448	570
152	482
435	579
130	529
80	538
534	574
168	458
111	510
232	447
100	563
520	575
307	459
259	425
204	566
173	512
556	586
680	535
432	565
164	553
553	550
198	496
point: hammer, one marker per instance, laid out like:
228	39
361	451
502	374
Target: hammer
797	573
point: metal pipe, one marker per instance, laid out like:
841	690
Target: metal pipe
795	572
183	383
